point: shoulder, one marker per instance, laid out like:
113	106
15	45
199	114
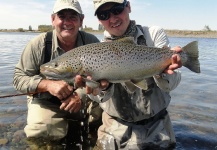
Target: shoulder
88	37
38	40
34	48
155	36
153	30
36	44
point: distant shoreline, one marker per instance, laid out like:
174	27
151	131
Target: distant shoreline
181	33
188	33
170	33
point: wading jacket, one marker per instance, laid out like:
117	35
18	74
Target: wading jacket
134	104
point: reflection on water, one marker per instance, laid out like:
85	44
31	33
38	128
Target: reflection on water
193	107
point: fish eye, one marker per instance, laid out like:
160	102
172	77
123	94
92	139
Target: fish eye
55	64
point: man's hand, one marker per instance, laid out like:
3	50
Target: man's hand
72	104
89	90
60	88
176	61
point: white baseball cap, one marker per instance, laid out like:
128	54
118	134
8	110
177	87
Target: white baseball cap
67	4
98	3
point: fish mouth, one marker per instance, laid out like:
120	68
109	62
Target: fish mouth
54	74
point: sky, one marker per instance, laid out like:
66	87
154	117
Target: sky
169	14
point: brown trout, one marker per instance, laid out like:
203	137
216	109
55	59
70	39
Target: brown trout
118	61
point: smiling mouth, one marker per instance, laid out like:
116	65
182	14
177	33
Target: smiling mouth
67	28
117	25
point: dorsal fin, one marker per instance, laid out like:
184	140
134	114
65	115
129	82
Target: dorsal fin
129	40
165	47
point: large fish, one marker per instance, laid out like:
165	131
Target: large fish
118	61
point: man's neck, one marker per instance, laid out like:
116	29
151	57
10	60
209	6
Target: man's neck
67	43
66	46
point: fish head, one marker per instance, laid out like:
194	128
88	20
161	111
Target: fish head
60	68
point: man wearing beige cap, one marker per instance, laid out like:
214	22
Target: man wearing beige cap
134	118
51	103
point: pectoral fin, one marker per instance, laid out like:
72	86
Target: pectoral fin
130	86
91	83
140	83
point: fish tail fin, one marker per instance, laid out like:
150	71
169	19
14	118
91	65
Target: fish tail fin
192	53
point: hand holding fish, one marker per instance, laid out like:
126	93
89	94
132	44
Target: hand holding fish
89	90
58	88
71	104
175	61
70	100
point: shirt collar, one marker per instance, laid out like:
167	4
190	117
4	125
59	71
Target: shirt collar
139	33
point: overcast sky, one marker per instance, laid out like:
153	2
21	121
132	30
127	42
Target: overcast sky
169	14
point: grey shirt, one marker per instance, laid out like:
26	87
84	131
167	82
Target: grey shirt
27	71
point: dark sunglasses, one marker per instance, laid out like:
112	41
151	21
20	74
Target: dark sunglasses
115	10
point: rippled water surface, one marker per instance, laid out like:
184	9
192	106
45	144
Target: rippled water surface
193	108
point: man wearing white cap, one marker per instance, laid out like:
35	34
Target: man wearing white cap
134	118
51	103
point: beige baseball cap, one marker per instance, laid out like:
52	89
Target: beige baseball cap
98	3
67	4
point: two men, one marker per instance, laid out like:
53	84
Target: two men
145	124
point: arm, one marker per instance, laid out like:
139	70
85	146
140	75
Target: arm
26	74
171	77
27	77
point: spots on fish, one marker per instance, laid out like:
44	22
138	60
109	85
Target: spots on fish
115	60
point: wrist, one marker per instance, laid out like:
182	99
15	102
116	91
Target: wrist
43	86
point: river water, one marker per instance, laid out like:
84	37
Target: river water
193	108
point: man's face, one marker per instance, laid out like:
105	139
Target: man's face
116	23
67	23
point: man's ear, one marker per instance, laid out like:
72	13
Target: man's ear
128	6
81	19
100	22
52	18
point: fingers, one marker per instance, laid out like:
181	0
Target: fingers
96	91
104	84
72	104
175	64
79	82
168	71
60	89
66	89
90	90
178	49
63	95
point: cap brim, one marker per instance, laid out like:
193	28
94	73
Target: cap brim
107	1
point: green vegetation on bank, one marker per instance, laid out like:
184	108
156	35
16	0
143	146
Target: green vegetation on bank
188	33
205	32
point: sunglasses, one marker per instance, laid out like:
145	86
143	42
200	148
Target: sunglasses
115	10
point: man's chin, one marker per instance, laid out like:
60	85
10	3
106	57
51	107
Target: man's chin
116	31
66	33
